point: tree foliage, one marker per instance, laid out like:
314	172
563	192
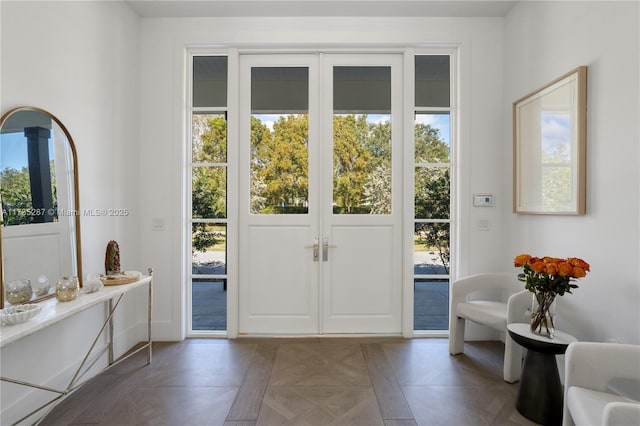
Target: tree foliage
16	196
432	191
209	183
361	173
280	165
15	192
352	162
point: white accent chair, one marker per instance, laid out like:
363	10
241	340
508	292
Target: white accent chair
597	375
493	300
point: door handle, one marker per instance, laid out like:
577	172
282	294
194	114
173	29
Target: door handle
325	249
316	249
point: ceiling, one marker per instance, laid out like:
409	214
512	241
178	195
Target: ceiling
336	8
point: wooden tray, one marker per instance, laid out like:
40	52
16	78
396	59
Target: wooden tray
123	278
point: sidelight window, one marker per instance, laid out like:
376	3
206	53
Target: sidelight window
209	217
432	192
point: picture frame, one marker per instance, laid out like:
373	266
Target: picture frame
549	147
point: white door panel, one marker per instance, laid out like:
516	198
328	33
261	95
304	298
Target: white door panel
362	278
361	296
279	289
354	285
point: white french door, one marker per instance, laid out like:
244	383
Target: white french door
320	194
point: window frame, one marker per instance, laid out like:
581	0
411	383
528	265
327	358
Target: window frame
190	165
452	111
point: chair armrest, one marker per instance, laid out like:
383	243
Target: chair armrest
621	413
519	307
593	365
462	287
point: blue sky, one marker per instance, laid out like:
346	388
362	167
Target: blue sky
556	131
13	151
437	121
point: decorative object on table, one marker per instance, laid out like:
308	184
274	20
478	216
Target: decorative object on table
67	289
92	284
18	291
546	278
19	313
42	286
125	277
112	259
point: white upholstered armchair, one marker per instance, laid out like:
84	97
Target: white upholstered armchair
602	384
493	300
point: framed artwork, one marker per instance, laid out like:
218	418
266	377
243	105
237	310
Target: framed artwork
549	147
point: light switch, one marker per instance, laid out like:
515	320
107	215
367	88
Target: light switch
483	225
157	224
483	200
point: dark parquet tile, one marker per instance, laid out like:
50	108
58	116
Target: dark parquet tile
320	405
465	405
339	364
388	393
250	395
310	381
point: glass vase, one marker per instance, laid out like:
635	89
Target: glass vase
18	291
543	312
67	289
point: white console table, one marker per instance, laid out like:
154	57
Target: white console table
53	312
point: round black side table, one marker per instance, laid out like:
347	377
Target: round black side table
540	394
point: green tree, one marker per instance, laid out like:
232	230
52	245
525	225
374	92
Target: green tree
209	142
352	161
429	147
209	183
258	199
280	164
15	191
377	189
432	191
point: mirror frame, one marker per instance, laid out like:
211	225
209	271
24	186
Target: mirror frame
76	200
528	144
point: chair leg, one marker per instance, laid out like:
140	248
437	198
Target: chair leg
456	336
513	353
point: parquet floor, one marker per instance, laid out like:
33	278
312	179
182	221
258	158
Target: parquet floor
328	381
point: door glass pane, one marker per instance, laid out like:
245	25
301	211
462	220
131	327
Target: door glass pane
432	193
209	304
209	138
431	304
361	89
432	84
209	248
362	140
431	137
210	81
279	140
209	193
431	249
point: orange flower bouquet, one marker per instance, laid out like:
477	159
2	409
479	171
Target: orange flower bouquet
546	278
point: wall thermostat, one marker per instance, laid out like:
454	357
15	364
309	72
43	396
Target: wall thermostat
483	200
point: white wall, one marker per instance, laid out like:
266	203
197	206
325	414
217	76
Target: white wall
162	112
117	82
543	40
78	60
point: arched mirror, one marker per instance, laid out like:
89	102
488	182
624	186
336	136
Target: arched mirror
40	232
